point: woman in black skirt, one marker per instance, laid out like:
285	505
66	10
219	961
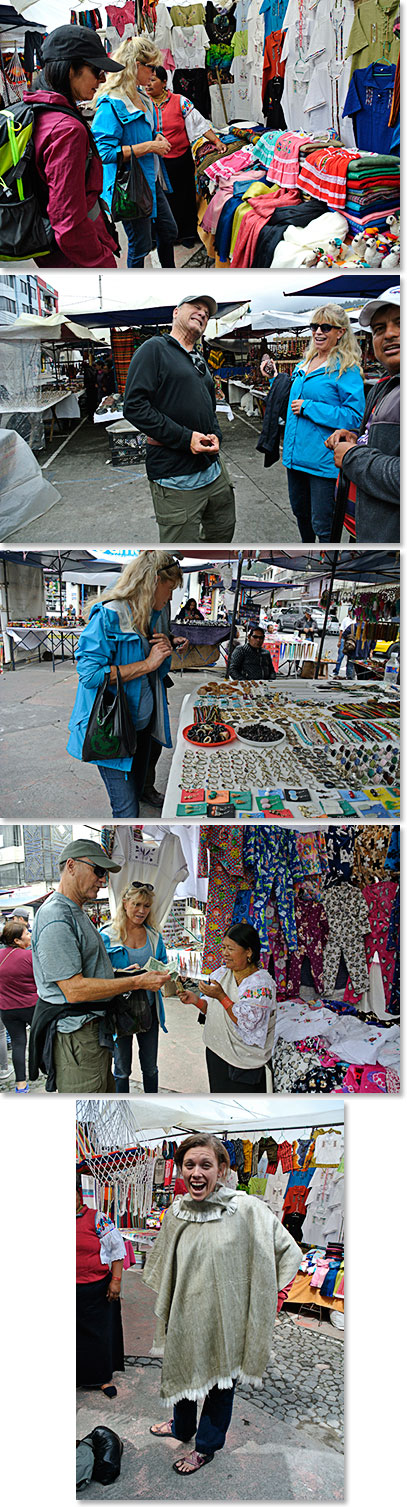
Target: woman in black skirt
100	1251
180	122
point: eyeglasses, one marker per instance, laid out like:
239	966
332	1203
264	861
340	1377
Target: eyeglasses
199	362
324	328
97	72
148	887
100	873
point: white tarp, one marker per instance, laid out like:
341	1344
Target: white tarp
174	1112
24	492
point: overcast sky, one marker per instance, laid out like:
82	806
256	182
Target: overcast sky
79	290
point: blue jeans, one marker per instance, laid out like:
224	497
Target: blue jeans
350	668
312	500
125	792
147	1044
140	234
213	1423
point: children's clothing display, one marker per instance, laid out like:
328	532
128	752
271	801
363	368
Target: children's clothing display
323	932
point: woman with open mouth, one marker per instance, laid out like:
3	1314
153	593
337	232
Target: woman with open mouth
218	1265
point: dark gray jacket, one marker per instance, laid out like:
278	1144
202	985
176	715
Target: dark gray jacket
374	467
251	664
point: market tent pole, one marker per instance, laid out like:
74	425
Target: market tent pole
234	614
60	582
330	590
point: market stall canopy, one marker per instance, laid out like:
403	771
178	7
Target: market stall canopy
347	286
47	327
368	565
150	313
11	20
173	1112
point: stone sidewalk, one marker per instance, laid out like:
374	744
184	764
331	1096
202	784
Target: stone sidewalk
285	1442
39	779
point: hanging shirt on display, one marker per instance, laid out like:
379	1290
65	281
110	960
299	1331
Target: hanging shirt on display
188	45
163	866
372	37
368	102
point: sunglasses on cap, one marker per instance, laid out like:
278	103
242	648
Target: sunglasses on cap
148	887
99	873
325	328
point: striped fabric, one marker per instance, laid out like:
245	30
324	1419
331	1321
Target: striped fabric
323	175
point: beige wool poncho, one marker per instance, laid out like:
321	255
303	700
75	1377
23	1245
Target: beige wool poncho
217	1268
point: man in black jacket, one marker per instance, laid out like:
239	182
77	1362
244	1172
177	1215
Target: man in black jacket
371	460
250	661
171	397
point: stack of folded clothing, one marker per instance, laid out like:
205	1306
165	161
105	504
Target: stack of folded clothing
373	190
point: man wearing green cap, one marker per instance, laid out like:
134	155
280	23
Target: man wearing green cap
75	980
170	395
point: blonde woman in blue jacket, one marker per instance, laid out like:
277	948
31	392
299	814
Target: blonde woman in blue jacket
124	123
132	938
129	627
327	382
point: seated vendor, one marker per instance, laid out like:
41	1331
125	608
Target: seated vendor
190	613
251	661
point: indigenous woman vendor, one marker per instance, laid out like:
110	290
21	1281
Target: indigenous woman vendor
100	1252
218	1265
180	122
239	1004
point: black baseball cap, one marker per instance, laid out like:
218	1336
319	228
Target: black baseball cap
68	42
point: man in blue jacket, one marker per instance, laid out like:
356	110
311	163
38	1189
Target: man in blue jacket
170	396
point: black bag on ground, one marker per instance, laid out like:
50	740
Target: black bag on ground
108	1450
110	733
132	198
132	1015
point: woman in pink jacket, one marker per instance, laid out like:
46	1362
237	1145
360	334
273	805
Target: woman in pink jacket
66	155
18	994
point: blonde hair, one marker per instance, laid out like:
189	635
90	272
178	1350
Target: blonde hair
347	351
121	920
137	584
132	51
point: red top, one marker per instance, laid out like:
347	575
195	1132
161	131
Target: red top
170	120
88	1263
17	984
179	1186
61	146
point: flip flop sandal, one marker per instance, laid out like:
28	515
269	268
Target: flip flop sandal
200	1459
162	1430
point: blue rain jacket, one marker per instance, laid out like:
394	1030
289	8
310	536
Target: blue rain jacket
110	639
119	958
114	126
329	402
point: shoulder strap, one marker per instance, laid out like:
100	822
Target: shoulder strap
66	110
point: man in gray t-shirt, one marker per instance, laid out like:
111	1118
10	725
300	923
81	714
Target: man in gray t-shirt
74	978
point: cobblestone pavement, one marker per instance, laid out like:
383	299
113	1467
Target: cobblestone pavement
305	1379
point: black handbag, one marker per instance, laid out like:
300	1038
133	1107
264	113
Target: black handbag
110	733
132	1015
132	198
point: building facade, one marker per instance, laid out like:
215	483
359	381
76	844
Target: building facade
25	293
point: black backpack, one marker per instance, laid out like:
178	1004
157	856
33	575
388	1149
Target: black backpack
25	229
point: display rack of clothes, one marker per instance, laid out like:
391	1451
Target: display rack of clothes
326	908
